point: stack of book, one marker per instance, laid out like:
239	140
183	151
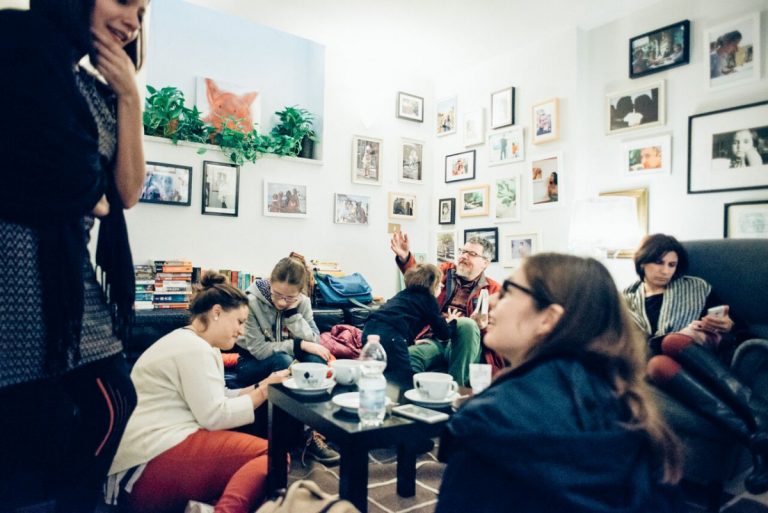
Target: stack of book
145	286
326	267
173	284
240	279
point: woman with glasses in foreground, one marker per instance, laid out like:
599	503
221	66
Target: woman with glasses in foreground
570	425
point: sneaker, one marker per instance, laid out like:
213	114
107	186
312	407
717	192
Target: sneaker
318	449
198	507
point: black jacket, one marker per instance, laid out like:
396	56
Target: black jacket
546	438
409	311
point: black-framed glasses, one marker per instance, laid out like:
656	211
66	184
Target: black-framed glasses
541	301
472	254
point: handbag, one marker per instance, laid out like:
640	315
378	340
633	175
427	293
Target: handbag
342	290
306	497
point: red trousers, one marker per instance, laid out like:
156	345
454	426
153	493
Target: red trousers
222	467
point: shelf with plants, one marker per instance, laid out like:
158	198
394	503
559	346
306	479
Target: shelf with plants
166	116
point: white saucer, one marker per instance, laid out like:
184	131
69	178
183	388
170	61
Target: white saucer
291	385
350	401
415	396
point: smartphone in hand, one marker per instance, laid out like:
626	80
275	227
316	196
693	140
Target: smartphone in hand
717	311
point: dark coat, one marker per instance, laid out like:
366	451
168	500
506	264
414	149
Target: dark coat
546	438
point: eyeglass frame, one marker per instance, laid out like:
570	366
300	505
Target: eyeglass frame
541	301
276	296
472	254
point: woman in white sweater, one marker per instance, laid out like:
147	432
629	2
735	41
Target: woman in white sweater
176	446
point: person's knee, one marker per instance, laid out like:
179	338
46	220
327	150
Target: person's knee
466	328
280	361
312	358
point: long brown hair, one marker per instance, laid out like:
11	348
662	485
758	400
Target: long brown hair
596	326
213	289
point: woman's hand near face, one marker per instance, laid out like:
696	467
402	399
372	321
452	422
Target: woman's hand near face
316	349
114	65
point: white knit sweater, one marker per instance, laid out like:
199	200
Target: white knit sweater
179	381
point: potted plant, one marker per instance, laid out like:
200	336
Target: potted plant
294	135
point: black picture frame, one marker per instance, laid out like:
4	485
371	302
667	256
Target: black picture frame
167	184
451	217
662	40
498	119
713	166
405	101
467	170
217	175
758	220
485	233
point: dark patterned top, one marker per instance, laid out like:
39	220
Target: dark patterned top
22	325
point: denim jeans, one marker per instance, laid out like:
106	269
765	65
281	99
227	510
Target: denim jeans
250	370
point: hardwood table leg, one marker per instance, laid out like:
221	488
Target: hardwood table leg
406	470
353	476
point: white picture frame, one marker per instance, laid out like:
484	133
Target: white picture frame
367	153
506	145
285	199
411	161
473	127
446	116
507	199
733	52
401	205
646	156
445	246
543	171
351	208
641	107
517	246
474	200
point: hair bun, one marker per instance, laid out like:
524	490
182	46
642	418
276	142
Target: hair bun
212	278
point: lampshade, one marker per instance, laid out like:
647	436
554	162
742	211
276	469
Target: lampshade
604	225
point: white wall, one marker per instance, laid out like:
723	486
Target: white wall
578	67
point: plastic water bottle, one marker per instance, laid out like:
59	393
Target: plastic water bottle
372	384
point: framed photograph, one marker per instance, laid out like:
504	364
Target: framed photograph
474	127
446	246
503	108
402	205
506	198
167	184
506	146
474	201
728	149
642	107
460	166
641	157
746	220
285	199
411	161
546	121
489	234
640	196
221	188
446	211
734	51
410	107
350	209
366	160
446	116
660	49
517	246
545	180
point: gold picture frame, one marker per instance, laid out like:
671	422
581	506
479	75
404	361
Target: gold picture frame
640	195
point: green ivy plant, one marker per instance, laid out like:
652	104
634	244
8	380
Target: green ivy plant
166	115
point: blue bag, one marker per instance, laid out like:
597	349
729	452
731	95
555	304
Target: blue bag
342	290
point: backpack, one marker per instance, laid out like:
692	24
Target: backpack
342	290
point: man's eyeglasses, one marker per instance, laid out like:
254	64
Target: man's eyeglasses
472	254
541	301
279	297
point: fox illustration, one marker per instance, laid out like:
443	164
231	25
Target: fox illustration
228	108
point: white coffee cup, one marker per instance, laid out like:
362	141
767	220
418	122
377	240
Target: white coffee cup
434	385
311	375
347	371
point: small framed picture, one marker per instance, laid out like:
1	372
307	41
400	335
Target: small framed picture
410	107
446	246
728	149
545	180
517	246
661	49
460	166
350	209
546	121
285	199
221	188
734	52
366	160
167	184
507	199
489	234
641	157
746	220
640	197
642	107
402	205
411	161
446	211
506	146
503	108
446	116
474	127
474	200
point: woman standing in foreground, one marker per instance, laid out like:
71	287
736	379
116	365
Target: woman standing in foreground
570	427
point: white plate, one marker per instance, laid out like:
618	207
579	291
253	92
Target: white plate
415	396
291	385
350	401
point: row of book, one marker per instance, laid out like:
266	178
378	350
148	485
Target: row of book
326	267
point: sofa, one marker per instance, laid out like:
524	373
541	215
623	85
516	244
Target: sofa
737	269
